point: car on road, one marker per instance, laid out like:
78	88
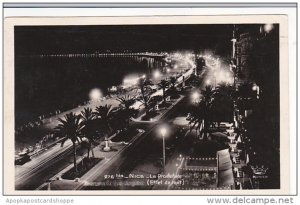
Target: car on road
21	159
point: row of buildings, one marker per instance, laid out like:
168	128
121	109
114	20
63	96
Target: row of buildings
255	64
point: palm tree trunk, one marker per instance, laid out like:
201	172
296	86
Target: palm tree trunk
144	98
127	123
108	129
205	128
88	153
164	96
74	156
146	105
93	153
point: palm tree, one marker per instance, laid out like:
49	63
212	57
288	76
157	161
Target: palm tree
225	90
70	128
200	120
172	82
201	114
145	100
208	94
163	85
126	112
105	114
144	85
195	119
87	116
126	101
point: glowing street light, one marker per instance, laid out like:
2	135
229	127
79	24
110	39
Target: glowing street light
256	88
268	28
208	82
163	131
156	74
196	97
95	94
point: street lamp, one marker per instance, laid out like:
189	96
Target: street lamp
163	132
196	97
268	28
156	74
95	94
208	82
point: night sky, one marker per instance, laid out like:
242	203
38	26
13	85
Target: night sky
67	39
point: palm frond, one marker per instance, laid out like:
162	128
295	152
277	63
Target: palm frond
126	101
69	127
87	114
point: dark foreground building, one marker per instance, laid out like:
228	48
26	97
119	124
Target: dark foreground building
256	65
